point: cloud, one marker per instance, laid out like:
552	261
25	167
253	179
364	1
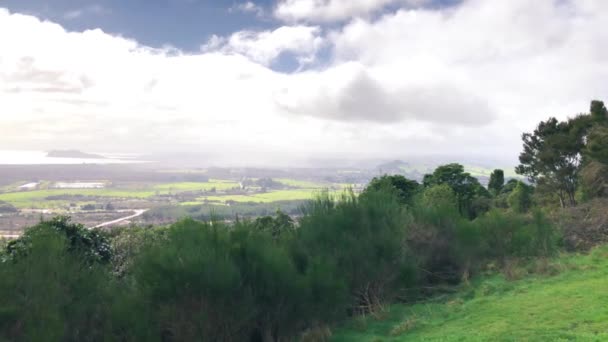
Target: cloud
265	46
248	7
333	10
350	93
466	79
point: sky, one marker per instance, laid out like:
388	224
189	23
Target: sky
288	81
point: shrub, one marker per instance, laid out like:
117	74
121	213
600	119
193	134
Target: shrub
92	245
49	294
363	240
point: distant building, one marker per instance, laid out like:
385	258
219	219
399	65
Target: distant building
79	185
29	186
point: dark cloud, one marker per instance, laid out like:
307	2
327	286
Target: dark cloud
365	99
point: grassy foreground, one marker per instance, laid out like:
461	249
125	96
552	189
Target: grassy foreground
569	306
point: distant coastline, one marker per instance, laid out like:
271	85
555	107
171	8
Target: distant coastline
73	154
51	157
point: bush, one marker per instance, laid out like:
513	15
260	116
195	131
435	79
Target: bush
50	294
363	241
227	283
91	245
520	199
507	235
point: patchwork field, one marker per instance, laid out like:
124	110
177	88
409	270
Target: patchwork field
100	201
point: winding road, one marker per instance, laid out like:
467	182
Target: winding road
137	212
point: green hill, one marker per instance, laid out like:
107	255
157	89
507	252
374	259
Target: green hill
569	306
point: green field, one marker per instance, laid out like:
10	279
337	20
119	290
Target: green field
304	184
218	184
38	198
268	197
570	306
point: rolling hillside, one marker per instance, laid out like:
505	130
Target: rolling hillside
568	303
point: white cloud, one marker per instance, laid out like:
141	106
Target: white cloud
465	80
333	10
264	47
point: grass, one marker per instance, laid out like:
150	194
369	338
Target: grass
268	197
37	198
571	306
195	186
302	184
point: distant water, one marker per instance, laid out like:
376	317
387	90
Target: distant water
13	157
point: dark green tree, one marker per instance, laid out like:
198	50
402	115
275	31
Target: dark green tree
520	199
598	110
465	186
276	226
552	156
88	244
404	188
497	181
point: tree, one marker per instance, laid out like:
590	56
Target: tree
598	111
275	226
520	199
439	196
552	156
597	144
497	181
404	188
594	173
90	245
465	186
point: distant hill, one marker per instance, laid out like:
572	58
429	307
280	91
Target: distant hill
418	168
72	154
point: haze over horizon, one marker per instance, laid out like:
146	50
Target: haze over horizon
293	80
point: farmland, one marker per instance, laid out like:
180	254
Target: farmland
97	193
97	200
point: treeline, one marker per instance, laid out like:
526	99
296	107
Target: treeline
276	279
568	160
269	279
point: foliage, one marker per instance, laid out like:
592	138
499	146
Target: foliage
440	195
492	308
91	245
598	111
50	294
497	181
276	226
363	240
597	144
405	189
227	284
465	186
503	236
555	152
520	199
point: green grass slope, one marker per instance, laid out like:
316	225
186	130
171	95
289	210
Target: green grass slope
569	306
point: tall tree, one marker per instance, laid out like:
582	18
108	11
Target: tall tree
404	188
598	110
520	199
497	181
465	186
552	155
